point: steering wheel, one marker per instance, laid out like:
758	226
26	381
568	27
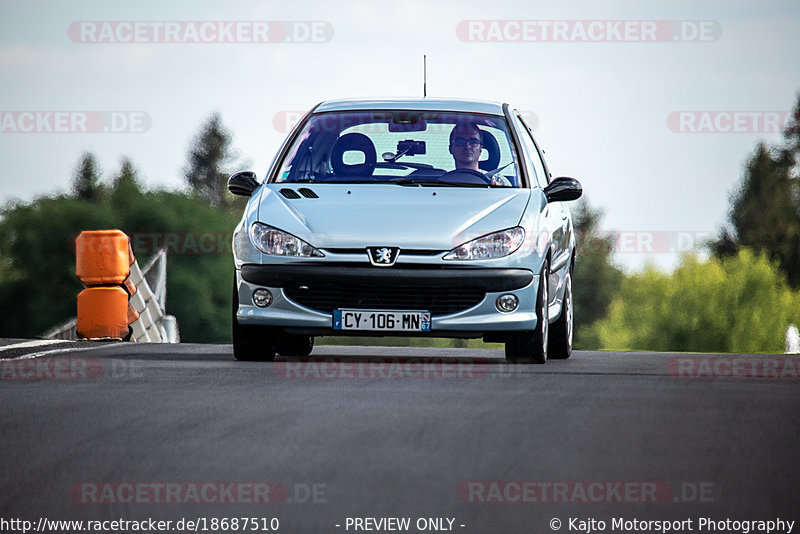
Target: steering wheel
486	179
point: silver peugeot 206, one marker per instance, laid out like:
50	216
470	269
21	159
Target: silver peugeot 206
416	217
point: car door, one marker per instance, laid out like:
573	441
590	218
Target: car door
562	235
556	214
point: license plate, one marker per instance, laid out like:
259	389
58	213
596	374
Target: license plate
382	320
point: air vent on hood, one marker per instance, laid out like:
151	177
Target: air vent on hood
289	193
308	193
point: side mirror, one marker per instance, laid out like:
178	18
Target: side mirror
563	189
243	183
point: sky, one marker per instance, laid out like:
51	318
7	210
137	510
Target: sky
653	106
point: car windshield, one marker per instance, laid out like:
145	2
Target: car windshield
407	148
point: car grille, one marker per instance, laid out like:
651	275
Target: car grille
438	301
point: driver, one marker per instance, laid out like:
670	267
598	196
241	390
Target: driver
466	144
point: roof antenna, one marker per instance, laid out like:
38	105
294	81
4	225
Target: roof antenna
424	76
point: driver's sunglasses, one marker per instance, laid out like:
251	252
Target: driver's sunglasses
460	141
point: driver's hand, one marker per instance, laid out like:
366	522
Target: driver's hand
500	180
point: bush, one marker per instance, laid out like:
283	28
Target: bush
738	304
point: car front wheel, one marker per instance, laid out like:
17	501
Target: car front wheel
293	345
561	332
531	347
250	342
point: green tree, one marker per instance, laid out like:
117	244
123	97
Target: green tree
596	279
209	163
792	132
86	181
126	188
765	208
127	177
199	258
37	244
738	304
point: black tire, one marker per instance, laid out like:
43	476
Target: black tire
531	347
250	343
562	330
293	345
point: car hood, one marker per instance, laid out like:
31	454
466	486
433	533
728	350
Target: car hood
358	216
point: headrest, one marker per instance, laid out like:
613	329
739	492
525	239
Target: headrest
353	142
493	149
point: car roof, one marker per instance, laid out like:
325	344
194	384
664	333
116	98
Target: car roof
422	104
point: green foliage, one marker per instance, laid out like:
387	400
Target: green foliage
209	164
37	270
37	244
792	132
86	182
199	261
739	304
765	209
596	279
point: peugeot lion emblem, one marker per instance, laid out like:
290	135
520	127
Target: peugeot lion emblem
383	256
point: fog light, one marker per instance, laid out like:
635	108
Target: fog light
507	303
262	298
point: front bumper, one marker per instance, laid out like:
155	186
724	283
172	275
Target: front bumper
423	285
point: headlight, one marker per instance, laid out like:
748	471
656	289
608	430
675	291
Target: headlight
496	245
275	242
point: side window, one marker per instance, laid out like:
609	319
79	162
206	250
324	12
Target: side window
538	162
532	154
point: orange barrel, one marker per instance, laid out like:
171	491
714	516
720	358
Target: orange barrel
103	312
102	257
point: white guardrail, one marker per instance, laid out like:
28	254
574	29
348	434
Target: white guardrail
153	324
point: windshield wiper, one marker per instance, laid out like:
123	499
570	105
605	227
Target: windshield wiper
422	182
346	181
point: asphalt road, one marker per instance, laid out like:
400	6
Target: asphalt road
136	431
